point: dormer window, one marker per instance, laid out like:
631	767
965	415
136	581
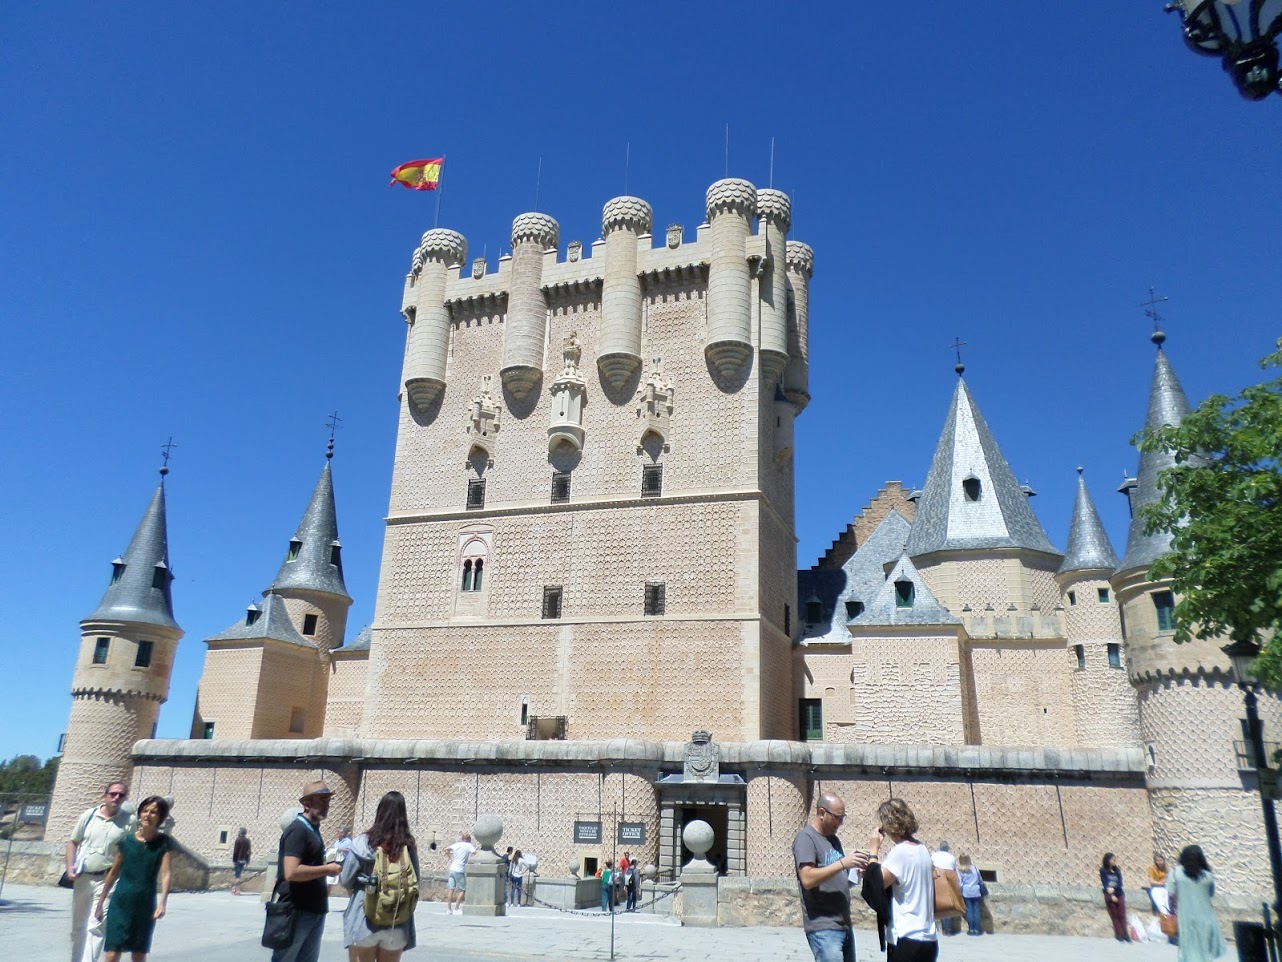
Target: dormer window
336	556
295	547
903	594
159	577
854	609
117	570
972	488
252	614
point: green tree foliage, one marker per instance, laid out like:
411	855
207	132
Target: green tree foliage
23	774
1222	505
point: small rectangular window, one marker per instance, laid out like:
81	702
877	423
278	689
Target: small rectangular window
309	624
814	612
811	713
787	620
1164	602
209	730
1115	656
336	556
143	658
655	597
1072	599
295	547
159	577
100	649
1080	652
297	721
1103	595
525	712
552	601
476	494
560	487
854	609
903	594
651	480
117	569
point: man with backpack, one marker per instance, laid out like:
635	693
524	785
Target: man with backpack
301	863
382	872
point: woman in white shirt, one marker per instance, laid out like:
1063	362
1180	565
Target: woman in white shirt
907	872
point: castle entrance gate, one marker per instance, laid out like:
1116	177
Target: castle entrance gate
722	804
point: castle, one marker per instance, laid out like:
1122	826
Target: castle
590	553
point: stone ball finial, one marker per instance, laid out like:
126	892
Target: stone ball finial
800	258
447	246
698	837
487	831
649	872
287	817
775	205
731	196
537	228
1158	338
626	213
574	869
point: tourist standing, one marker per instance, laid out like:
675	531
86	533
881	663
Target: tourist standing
1110	880
944	859
460	852
301	865
972	888
607	886
142	858
91	851
633	884
240	854
823	883
516	877
368	941
1157	892
1193	887
909	873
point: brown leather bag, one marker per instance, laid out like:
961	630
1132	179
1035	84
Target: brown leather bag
949	903
1169	925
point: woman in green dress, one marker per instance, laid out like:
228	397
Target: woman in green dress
1192	886
141	858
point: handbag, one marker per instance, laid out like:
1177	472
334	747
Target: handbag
1169	924
949	903
278	930
983	889
65	881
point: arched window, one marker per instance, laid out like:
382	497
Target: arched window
478	572
467	575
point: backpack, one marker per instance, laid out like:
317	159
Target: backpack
394	896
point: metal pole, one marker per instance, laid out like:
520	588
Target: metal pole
615	859
1256	734
9	851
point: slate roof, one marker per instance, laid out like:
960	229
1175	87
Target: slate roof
946	520
273	623
359	643
133	596
1166	405
885	611
1088	546
318	534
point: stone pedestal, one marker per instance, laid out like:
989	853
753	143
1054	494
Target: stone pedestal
698	878
486	874
569	893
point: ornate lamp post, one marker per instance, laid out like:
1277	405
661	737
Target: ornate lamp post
1242	33
1243	654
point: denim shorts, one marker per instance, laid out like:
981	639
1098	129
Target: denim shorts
458	880
394	939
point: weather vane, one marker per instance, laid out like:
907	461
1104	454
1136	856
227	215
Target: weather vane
332	423
1150	311
167	452
956	346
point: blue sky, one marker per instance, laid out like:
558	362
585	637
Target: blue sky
199	241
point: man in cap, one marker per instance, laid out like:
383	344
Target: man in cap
302	864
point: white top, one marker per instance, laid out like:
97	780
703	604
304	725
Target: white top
944	860
460	852
517	868
913	916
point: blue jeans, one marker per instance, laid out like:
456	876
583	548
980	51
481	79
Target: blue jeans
972	916
308	927
832	945
606	903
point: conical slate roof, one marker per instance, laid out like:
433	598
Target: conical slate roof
1088	546
360	642
140	581
967	456
1166	405
885	609
273	622
313	567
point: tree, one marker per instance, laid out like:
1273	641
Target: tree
1222	505
23	774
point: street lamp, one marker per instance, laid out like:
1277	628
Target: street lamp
1242	33
1243	654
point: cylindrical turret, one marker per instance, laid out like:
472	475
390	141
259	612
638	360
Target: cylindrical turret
774	212
523	340
429	334
731	205
800	262
619	355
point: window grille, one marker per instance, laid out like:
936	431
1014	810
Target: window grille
651	480
560	487
552	601
655	597
476	494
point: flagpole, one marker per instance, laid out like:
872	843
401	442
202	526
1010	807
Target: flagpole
538	183
440	189
627	165
772	162
727	173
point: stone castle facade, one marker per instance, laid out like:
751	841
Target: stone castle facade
590	553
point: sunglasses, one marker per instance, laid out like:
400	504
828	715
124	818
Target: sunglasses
117	794
840	818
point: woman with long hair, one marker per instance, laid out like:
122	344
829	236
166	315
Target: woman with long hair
141	860
390	832
516	877
1192	887
908	872
972	886
1110	880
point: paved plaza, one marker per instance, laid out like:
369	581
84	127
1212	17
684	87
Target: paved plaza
219	927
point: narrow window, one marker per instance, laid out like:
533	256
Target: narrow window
552	601
467	575
1115	656
903	594
787	620
222	836
143	658
336	556
1164	602
309	624
297	721
560	487
1103	595
295	546
651	480
525	711
972	488
476	494
159	577
811	713
1080	652
477	572
117	569
209	730
655	597
814	612
252	614
854	609
1072	599
100	648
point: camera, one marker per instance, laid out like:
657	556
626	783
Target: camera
367	881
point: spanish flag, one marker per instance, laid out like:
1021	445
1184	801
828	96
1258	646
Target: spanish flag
419	174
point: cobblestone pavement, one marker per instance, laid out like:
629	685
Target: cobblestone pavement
35	921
